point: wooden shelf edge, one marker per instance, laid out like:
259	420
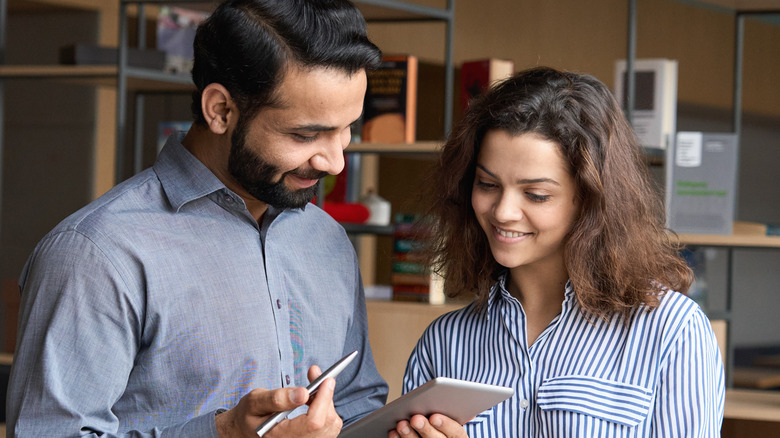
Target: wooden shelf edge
733	240
100	75
57	71
749	404
408	306
740	5
87	5
423	147
745	235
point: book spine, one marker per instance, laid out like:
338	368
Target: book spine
409	268
390	105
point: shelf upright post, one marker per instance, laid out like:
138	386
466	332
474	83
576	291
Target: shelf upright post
3	27
739	37
140	99
630	80
121	90
449	70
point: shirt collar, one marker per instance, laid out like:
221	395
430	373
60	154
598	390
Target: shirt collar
499	293
184	178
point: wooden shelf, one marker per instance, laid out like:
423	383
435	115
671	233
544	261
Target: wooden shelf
100	75
394	10
744	5
393	330
733	240
756	377
424	147
745	235
749	404
48	5
381	230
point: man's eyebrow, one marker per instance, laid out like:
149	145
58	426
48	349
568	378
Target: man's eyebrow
319	128
522	181
312	128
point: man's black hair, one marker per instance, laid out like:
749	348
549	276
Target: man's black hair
248	45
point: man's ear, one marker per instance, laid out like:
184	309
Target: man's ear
218	108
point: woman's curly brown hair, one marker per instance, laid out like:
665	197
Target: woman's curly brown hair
619	253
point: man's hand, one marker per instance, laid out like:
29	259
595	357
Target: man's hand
437	426
320	421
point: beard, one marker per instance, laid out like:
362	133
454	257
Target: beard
256	175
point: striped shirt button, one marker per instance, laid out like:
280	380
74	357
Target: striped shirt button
287	379
523	403
278	304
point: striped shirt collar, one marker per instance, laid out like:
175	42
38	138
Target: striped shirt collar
499	295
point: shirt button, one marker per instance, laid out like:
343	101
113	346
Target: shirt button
279	306
287	379
523	403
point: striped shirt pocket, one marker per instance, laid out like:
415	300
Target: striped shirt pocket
608	400
481	425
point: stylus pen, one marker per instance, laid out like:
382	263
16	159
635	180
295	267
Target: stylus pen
333	371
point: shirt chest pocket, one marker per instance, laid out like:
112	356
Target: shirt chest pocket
481	425
601	400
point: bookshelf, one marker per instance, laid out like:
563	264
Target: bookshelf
744	235
373	11
115	83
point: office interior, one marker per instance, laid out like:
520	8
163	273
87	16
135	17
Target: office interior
58	156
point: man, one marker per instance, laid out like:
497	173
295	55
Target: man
165	306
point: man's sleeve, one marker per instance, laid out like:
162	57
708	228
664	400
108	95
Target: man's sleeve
363	390
79	332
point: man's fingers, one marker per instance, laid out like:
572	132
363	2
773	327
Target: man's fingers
314	372
403	428
266	402
322	403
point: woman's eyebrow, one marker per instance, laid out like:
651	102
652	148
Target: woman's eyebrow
522	181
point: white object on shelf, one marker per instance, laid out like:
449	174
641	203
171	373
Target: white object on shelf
654	111
378	207
383	292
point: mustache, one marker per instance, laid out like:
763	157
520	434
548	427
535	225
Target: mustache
308	174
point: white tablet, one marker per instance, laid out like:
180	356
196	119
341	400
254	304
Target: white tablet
458	399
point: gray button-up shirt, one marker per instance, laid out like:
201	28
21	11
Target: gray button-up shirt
164	301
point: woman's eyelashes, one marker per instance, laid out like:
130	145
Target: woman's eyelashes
531	195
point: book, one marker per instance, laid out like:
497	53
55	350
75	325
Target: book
417	279
478	75
411	276
702	183
176	29
390	105
409	267
654	110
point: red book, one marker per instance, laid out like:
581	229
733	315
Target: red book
477	76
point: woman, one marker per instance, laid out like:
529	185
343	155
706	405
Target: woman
545	212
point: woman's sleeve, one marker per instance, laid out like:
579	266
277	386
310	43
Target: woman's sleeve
419	367
691	393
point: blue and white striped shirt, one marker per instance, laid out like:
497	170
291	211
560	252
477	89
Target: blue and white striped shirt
659	376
